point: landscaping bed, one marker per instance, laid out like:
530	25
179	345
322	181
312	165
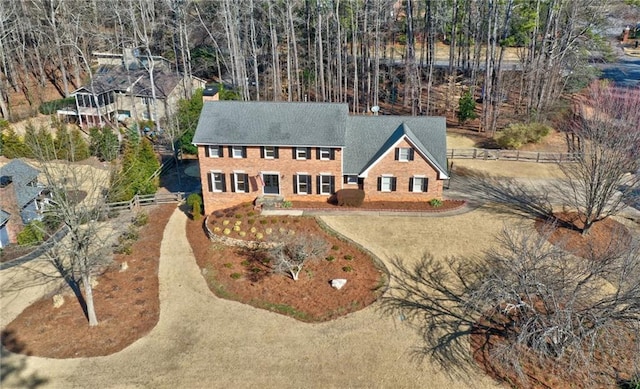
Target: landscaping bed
399	206
246	275
126	303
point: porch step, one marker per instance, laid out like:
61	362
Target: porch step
274	201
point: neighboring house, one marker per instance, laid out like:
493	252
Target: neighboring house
308	151
21	199
121	89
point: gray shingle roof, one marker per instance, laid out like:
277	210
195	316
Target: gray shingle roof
121	80
364	138
272	124
21	174
19	171
368	137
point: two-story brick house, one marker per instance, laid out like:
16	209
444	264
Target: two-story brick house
308	151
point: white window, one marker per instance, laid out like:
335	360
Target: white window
237	152
217	182
387	183
325	184
325	153
418	184
147	101
215	151
302	153
269	152
404	154
303	183
240	182
351	180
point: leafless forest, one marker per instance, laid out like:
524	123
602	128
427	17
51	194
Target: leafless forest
363	52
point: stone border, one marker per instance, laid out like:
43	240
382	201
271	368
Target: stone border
228	241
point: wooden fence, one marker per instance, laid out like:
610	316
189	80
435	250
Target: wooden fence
142	200
511	155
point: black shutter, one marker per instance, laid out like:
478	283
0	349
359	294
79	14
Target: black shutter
246	183
379	184
276	153
294	151
244	151
425	185
263	152
308	153
397	153
393	184
224	183
295	184
411	184
231	151
318	152
309	187
410	154
220	151
345	179
332	187
207	153
233	182
318	184
332	154
210	182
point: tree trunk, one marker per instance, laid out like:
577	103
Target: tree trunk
88	298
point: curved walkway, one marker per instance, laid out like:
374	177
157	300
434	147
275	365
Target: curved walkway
202	341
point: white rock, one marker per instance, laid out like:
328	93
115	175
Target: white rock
338	283
124	266
58	300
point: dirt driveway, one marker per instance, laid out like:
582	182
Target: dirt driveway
202	341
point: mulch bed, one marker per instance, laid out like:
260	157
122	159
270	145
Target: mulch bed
246	276
602	236
126	303
398	206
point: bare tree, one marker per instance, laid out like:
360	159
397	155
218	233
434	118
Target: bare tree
527	302
77	203
604	133
292	252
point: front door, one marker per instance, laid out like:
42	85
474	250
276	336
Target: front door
271	184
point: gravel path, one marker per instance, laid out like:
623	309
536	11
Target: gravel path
202	341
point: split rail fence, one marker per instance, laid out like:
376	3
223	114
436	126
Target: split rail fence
143	200
511	155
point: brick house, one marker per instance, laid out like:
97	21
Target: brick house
308	151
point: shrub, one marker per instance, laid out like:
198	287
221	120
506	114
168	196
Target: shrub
50	107
195	202
225	222
335	247
140	219
238	216
330	258
466	108
435	203
228	265
245	263
348	257
350	197
226	231
347	269
31	234
263	221
251	213
251	221
236	276
517	135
